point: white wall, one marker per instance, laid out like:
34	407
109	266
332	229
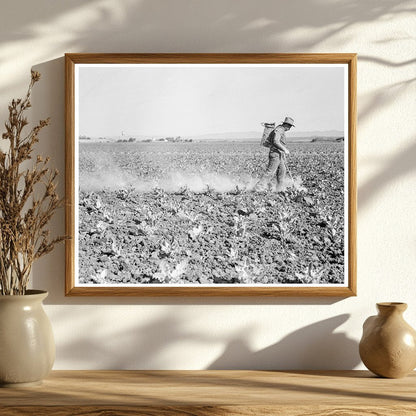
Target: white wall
200	333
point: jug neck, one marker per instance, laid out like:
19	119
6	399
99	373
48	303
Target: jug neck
391	308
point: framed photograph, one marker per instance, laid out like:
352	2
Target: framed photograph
211	174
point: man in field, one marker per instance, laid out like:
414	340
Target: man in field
276	169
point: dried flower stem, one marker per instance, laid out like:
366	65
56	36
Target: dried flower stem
23	218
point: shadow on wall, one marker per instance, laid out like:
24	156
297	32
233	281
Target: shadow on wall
153	23
48	100
395	168
313	347
186	26
142	347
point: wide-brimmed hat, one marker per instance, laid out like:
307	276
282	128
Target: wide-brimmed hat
290	121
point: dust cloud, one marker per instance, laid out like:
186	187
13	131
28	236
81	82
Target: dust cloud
117	179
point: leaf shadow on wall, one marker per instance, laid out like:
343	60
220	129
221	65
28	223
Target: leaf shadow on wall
394	169
186	26
316	346
145	346
403	163
151	345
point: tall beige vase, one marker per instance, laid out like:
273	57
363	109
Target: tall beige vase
27	347
388	344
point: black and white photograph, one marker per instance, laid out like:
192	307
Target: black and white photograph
211	174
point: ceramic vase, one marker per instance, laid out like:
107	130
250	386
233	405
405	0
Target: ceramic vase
27	347
388	345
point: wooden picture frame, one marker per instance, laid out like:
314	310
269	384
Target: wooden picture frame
88	63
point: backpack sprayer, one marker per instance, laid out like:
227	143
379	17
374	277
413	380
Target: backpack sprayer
268	134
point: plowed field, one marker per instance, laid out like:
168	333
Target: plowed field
185	213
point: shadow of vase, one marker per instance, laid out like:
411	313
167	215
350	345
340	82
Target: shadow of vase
314	347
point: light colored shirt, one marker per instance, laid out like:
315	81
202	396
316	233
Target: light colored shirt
279	137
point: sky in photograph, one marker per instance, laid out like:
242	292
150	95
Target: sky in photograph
160	101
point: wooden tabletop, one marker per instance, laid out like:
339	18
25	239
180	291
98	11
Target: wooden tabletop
203	393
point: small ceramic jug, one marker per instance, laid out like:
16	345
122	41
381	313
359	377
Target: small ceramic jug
388	344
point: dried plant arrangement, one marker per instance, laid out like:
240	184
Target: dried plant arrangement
28	198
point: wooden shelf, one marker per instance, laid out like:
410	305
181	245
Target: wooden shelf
203	393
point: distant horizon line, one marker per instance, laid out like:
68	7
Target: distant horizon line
258	133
